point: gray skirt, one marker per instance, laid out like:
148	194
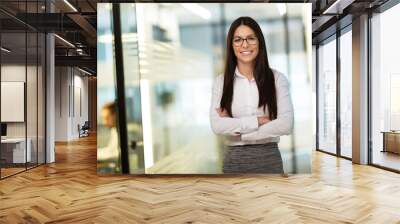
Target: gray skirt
262	158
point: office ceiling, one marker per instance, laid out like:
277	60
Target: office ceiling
76	22
327	13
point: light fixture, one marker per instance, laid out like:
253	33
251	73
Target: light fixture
198	10
108	6
70	5
84	71
281	8
337	7
64	40
5	50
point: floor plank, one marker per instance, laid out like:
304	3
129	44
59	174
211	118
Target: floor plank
70	191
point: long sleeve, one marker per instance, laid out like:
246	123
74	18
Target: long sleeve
283	124
228	125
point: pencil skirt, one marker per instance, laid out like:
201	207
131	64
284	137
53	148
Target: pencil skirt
261	158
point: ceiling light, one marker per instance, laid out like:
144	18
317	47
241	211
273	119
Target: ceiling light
108	6
198	10
5	50
64	40
84	71
337	7
70	5
281	8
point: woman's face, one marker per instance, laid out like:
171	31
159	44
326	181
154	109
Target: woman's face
245	44
108	118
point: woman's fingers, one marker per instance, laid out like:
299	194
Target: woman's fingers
263	120
222	113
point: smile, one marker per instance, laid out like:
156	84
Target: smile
246	52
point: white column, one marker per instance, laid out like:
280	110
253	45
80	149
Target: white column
50	93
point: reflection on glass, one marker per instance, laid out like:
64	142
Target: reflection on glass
132	88
109	118
178	53
327	96
22	93
31	98
41	99
346	94
108	160
301	91
385	114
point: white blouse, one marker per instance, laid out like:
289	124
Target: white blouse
242	128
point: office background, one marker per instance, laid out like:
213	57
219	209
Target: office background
333	62
171	54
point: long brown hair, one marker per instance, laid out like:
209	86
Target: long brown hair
263	74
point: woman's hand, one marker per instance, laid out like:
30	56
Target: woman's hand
263	120
222	113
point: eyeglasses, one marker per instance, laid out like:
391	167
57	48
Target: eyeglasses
238	41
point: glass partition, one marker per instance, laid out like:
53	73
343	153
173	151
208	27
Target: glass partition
172	54
41	97
299	72
15	151
385	89
346	93
22	91
327	96
130	49
108	150
32	98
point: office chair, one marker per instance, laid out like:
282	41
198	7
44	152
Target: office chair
84	130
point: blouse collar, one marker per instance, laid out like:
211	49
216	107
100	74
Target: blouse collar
240	75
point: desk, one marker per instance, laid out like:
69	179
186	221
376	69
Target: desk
17	150
391	141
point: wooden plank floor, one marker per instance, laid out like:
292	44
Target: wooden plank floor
70	191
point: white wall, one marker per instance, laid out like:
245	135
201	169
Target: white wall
13	73
33	126
71	94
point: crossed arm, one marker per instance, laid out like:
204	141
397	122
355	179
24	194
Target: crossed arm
253	127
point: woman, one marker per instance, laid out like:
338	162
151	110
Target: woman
111	151
251	105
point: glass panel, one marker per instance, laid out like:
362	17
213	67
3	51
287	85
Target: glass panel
299	74
41	99
385	89
132	88
108	159
31	98
177	67
22	74
179	52
32	88
13	87
197	45
327	96
346	94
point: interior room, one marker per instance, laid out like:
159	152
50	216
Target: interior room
60	84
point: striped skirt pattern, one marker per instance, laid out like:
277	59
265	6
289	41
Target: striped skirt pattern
262	158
